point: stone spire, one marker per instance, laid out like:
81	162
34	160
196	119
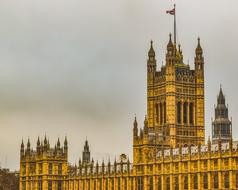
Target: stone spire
86	153
221	126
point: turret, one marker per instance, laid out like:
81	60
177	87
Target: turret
28	148
151	62
22	148
171	52
199	60
45	144
38	147
58	144
146	126
135	129
66	146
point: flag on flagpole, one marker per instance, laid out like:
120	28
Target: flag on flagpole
171	12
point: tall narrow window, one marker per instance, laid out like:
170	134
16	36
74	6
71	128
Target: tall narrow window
50	168
164	112
185	111
195	181
179	112
159	183
150	183
236	179
140	184
176	183
191	113
50	185
186	182
157	112
161	113
216	180
168	183
226	180
205	181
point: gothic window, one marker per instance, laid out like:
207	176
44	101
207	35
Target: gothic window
226	180
106	184
179	112
205	181
164	112
161	112
40	168
185	113
50	185
216	180
191	113
176	183
125	184
50	168
150	185
40	184
157	112
140	183
112	184
236	179
119	184
59	185
159	183
23	185
195	181
94	185
88	184
60	169
100	184
185	182
132	184
168	183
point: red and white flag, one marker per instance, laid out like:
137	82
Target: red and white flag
171	12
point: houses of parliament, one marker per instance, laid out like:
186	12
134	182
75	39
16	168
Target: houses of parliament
169	149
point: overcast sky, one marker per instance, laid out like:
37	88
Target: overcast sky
78	67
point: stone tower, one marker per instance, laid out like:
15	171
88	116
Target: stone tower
175	103
221	126
175	97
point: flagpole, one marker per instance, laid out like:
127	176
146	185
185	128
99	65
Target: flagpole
175	24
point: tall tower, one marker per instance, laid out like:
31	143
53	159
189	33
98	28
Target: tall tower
175	98
221	126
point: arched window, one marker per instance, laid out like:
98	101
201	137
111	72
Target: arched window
125	184
157	112
176	183
185	111
118	183
159	183
236	179
205	181
168	183
161	113
185	182
112	183
164	112
216	180
195	181
140	184
191	113
226	180
150	185
179	112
